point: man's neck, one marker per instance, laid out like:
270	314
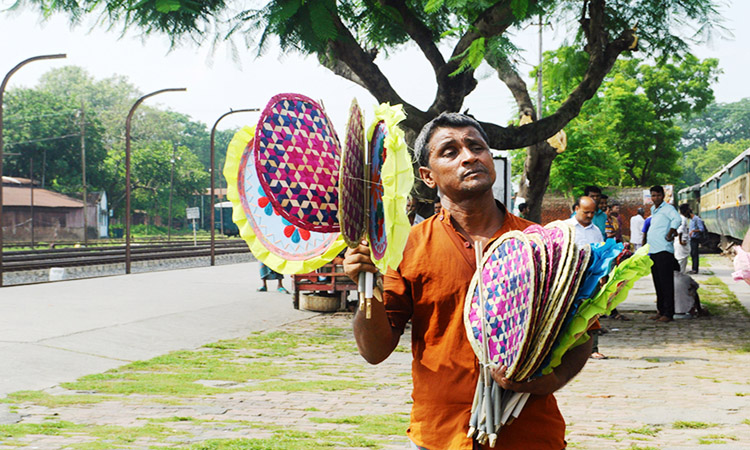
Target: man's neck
477	218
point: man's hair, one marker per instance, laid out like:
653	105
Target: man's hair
589	189
641	211
685	209
658	189
523	207
444	120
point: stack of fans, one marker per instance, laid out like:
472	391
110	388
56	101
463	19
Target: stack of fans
534	296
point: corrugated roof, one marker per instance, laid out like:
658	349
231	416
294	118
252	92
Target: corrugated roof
10	181
21	196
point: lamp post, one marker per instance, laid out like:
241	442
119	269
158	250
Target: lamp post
2	92
127	169
213	219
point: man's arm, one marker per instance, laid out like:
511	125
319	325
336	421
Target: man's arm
572	363
375	337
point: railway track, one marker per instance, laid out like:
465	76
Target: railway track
15	261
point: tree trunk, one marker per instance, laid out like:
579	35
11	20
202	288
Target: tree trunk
535	178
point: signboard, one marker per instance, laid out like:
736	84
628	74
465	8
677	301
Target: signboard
193	213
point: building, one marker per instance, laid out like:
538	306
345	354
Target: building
56	217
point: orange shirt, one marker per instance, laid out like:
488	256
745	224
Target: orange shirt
429	288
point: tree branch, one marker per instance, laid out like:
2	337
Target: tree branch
417	30
602	57
347	50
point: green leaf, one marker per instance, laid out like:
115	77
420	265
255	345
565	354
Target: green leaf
519	8
433	5
168	6
322	22
472	56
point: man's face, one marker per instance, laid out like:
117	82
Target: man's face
603	204
596	197
585	211
460	163
657	198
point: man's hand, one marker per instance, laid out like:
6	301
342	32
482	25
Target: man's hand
546	384
671	234
358	260
572	363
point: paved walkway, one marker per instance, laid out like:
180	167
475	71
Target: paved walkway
681	385
56	332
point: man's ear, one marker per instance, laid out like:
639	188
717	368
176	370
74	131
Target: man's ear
426	174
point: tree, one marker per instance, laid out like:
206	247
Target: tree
627	136
701	163
47	127
346	36
721	122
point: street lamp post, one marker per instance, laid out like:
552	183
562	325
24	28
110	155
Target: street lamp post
2	92
212	170
127	169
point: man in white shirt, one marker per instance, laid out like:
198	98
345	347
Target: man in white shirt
636	229
587	233
582	222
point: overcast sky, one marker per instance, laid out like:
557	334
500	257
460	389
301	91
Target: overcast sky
215	83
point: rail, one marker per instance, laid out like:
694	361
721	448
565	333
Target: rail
14	261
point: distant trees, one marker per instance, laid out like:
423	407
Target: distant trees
714	138
627	135
45	122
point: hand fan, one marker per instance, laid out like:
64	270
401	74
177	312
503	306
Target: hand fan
297	157
507	281
272	239
352	184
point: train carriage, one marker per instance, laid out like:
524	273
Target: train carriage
724	198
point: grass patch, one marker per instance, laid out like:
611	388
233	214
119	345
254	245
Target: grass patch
716	439
384	425
176	374
291	440
313	385
53	401
653	360
719	300
105	436
638	447
682	425
746	421
646	430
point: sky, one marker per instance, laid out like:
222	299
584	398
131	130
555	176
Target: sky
216	83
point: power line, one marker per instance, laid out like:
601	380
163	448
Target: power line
42	139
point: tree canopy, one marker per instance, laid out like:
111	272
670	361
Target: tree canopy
45	123
454	36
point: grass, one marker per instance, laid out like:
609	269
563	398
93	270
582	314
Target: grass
384	425
716	439
646	430
719	300
104	436
682	425
290	440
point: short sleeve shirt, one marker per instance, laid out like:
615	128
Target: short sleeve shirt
429	289
663	219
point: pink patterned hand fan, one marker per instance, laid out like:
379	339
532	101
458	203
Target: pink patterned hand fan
298	158
508	283
352	187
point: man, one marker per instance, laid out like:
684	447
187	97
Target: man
523	210
636	229
682	243
600	216
664	223
586	234
429	289
697	233
582	221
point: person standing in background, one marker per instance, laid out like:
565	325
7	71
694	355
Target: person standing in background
636	229
663	228
682	244
697	233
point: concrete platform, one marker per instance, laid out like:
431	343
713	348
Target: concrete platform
56	332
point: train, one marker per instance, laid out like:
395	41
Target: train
723	199
223	219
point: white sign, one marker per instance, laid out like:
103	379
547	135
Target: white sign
193	213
